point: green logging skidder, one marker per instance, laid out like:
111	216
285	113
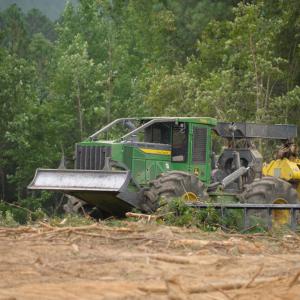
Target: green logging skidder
147	159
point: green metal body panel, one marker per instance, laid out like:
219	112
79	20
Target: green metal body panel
202	169
221	197
147	166
117	153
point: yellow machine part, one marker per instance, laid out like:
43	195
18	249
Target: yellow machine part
190	197
285	169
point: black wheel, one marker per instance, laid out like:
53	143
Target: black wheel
73	205
77	206
271	190
171	185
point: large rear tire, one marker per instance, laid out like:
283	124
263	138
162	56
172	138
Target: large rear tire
271	190
173	184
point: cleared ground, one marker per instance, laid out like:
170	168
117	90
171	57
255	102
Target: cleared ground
147	261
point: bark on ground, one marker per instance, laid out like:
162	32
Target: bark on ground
148	261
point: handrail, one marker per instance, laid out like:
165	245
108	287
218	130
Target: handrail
145	125
108	126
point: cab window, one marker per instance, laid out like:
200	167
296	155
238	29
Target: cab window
158	133
179	142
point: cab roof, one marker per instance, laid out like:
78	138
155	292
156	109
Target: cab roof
199	120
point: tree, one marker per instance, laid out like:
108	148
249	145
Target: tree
237	68
23	133
36	23
76	101
192	18
14	34
233	60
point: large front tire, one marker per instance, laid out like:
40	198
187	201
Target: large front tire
170	185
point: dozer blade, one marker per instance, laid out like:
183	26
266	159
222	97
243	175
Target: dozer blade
106	190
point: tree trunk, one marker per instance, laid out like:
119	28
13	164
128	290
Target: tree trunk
253	53
79	112
110	84
2	175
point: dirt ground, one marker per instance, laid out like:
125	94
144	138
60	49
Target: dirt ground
145	261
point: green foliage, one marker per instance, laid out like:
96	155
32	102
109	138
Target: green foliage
37	23
71	220
14	36
191	20
237	72
76	92
7	219
18	214
234	60
177	213
175	92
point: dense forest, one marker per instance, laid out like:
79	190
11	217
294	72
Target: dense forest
61	80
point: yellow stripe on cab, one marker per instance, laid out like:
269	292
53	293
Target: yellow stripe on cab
156	151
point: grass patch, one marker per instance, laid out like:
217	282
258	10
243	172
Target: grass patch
177	213
13	214
7	219
71	220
